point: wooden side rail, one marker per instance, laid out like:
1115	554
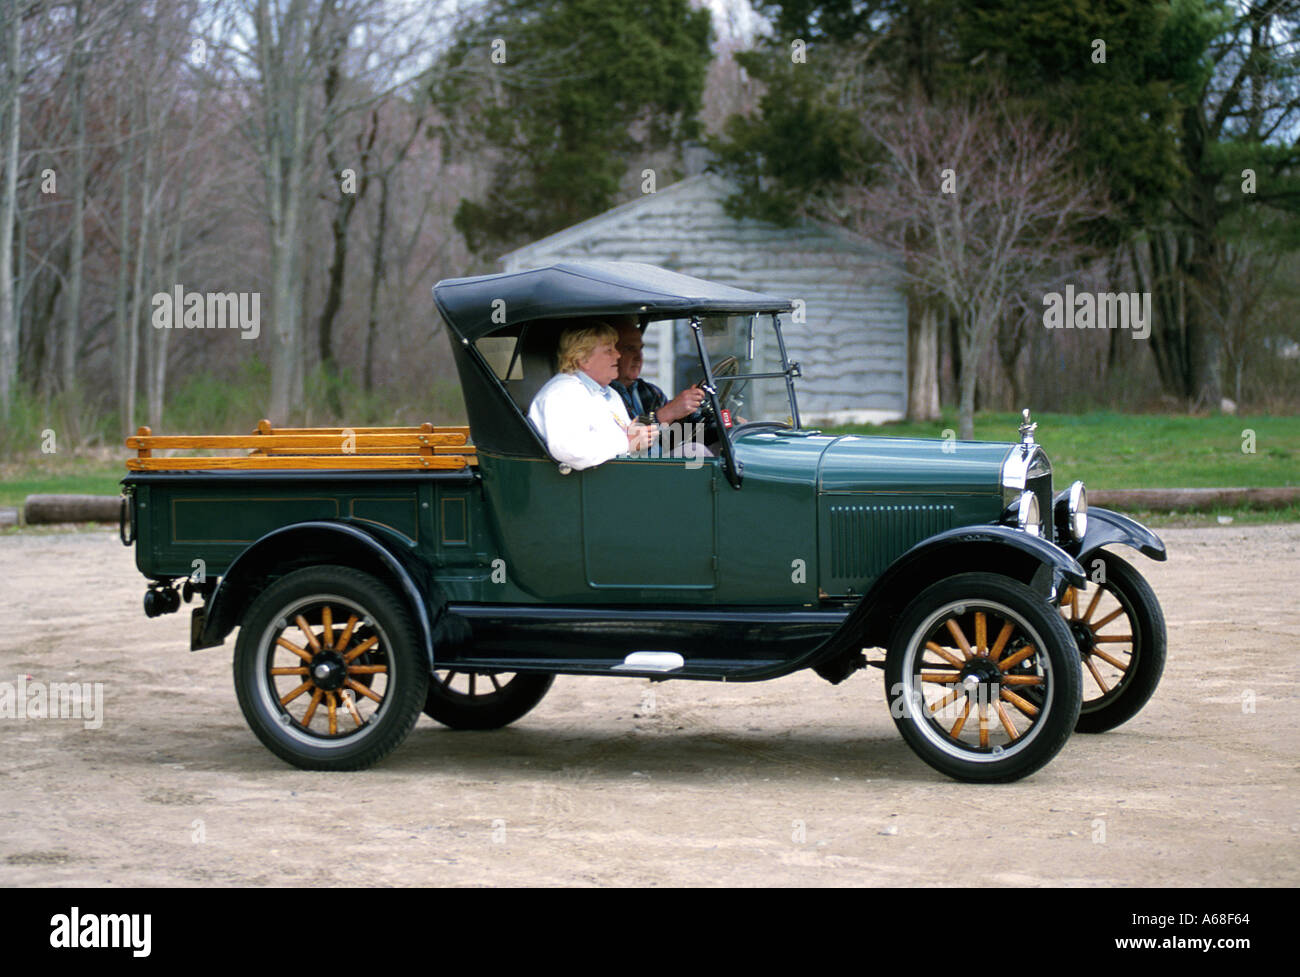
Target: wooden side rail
336	462
423	447
458	433
264	427
313	443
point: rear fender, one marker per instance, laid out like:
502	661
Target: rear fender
373	549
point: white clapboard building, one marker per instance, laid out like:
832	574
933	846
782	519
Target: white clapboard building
851	339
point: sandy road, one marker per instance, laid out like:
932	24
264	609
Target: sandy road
785	782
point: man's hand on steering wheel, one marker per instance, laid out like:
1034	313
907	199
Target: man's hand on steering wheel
683	405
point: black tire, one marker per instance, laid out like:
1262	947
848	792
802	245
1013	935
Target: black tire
1119	676
1020	642
463	700
360	659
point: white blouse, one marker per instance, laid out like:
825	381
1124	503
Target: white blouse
581	422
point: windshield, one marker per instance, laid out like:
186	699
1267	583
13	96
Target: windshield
739	346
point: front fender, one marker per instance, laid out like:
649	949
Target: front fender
1107	526
369	547
998	549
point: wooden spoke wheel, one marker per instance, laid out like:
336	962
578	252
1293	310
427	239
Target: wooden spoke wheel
483	700
1119	630
328	669
982	678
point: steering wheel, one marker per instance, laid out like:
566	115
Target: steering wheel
754	425
727	367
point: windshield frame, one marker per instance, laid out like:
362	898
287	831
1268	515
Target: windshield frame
734	469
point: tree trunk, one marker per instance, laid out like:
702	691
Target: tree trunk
967	381
138	279
8	205
923	393
77	248
1202	381
334	299
158	338
122	322
376	276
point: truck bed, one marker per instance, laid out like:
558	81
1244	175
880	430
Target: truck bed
210	507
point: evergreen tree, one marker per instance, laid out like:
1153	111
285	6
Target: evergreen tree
565	97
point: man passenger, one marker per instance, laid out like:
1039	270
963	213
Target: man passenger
642	398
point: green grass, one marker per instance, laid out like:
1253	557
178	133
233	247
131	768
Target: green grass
1109	450
73	476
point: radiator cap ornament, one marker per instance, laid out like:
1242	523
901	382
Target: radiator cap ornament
1027	428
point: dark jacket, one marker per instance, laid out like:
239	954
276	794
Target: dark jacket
652	398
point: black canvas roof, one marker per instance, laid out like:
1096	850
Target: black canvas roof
581	288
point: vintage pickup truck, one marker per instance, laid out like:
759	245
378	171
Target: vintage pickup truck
377	572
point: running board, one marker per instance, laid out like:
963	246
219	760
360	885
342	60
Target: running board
707	669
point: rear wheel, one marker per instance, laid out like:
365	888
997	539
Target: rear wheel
983	678
328	669
1119	631
489	700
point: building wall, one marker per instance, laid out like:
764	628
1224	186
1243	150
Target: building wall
852	340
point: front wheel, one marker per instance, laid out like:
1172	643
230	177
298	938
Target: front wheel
328	669
1119	630
983	678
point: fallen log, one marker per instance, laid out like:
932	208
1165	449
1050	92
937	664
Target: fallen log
71	508
1195	499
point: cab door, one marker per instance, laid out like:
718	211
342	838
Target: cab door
649	523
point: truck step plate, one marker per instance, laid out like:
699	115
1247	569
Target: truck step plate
651	661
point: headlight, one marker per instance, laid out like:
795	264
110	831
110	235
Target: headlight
1028	516
1078	510
1070	512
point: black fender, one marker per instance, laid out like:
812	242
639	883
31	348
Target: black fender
1106	526
363	545
1041	564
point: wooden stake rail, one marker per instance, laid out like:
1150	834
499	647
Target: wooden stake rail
373	448
312	443
264	427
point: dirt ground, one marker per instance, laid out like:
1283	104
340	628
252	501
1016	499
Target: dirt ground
790	782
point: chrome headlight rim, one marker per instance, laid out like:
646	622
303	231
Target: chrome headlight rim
1078	510
1029	517
1070	512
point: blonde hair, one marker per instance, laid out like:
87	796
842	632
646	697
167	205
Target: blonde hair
576	344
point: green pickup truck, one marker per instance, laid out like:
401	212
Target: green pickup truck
375	573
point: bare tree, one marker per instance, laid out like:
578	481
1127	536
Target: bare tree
1236	299
290	47
10	130
980	203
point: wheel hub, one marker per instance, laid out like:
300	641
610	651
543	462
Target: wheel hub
1083	636
328	670
981	676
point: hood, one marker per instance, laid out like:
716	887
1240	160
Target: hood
855	463
858	463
